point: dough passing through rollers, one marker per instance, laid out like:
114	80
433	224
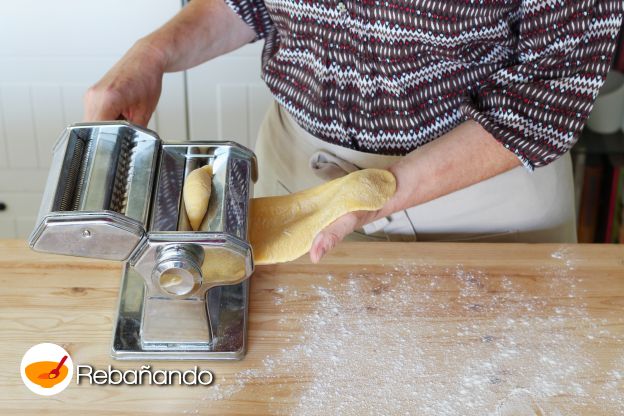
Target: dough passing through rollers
282	228
196	194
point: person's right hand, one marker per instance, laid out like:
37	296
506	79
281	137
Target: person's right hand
130	89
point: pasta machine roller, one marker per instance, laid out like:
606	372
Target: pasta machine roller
114	192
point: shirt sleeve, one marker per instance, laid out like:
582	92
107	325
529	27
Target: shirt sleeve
255	14
538	106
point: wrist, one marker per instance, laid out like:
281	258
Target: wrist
153	51
398	201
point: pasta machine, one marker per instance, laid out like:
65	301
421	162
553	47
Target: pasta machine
114	191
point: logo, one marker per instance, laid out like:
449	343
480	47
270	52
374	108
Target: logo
46	369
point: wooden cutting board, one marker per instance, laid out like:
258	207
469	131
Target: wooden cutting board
377	328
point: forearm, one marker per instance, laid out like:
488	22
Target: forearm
464	156
131	88
202	30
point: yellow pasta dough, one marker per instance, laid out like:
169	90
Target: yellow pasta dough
220	267
282	228
196	194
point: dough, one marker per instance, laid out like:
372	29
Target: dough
283	228
196	194
222	266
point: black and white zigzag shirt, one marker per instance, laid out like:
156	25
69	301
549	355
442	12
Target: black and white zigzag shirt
387	76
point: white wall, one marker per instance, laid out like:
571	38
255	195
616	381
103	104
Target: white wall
226	98
51	51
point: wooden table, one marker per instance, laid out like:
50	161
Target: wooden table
377	328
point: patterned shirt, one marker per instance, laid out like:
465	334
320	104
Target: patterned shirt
387	76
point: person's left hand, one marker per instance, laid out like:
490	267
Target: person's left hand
337	230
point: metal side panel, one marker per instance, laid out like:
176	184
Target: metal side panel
102	235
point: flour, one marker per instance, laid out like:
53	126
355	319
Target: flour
392	344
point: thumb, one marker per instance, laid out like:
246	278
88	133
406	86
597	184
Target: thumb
331	235
93	113
100	105
142	119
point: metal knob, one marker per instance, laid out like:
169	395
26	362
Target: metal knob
178	270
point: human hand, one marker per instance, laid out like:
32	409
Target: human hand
335	232
130	89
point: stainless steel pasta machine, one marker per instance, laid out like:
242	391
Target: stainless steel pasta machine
114	192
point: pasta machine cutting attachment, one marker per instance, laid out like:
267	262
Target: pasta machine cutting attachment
114	192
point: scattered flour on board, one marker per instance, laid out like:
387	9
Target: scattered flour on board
385	343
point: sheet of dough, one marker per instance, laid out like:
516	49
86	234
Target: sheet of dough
282	228
220	267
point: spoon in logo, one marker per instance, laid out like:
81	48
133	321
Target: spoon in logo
54	373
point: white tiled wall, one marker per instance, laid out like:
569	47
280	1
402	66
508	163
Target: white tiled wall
50	52
43	79
32	116
227	99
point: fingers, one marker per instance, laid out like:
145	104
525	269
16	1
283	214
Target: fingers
100	105
104	105
323	242
141	120
332	235
128	91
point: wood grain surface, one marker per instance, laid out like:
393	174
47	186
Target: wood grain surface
459	297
